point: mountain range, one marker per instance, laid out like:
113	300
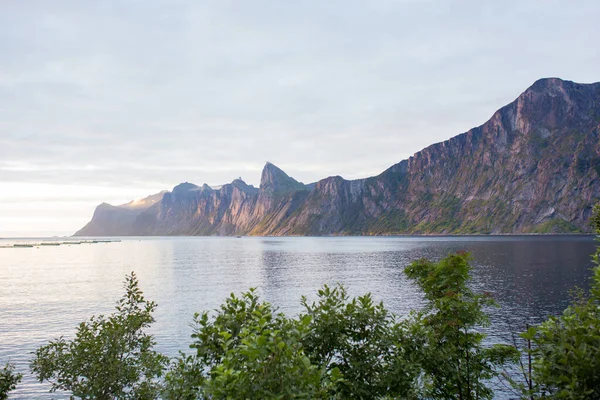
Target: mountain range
534	167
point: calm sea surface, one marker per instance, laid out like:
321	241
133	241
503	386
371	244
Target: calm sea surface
46	291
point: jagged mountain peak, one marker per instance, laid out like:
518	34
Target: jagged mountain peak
552	103
534	166
273	179
242	185
548	82
271	168
572	92
546	92
184	187
553	85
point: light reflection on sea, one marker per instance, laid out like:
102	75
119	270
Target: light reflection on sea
46	291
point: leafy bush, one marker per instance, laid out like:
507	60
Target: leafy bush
566	348
362	341
443	341
345	348
248	352
8	380
110	357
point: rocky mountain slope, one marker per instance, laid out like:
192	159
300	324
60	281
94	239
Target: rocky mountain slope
111	220
533	167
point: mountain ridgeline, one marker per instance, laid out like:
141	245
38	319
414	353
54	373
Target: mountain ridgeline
534	167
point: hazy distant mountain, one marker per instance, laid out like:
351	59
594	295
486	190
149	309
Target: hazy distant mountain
111	220
533	167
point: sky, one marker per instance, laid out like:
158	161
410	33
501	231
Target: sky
108	101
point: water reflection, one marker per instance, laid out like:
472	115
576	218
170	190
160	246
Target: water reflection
47	291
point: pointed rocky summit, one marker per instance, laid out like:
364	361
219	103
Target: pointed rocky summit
274	180
533	167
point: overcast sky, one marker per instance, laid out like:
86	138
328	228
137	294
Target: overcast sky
114	100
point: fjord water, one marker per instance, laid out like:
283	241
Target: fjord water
46	291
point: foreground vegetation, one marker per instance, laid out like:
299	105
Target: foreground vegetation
8	380
337	348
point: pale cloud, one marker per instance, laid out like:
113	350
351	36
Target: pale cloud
125	98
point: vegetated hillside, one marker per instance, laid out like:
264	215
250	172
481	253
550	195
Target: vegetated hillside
534	167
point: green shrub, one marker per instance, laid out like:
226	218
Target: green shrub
443	341
110	357
566	348
246	351
362	340
8	380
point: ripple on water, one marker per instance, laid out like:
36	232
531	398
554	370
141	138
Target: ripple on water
46	292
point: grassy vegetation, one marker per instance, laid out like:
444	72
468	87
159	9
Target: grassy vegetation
537	140
555	225
390	222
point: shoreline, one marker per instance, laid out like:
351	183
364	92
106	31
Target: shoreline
83	239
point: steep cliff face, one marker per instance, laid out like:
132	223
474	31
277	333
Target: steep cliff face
235	208
530	168
118	220
533	167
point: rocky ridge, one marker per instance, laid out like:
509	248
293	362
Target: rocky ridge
534	167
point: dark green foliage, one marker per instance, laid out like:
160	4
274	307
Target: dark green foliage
110	357
446	207
361	340
248	352
556	225
567	353
595	220
339	348
538	141
443	341
566	348
184	379
390	222
345	348
8	380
